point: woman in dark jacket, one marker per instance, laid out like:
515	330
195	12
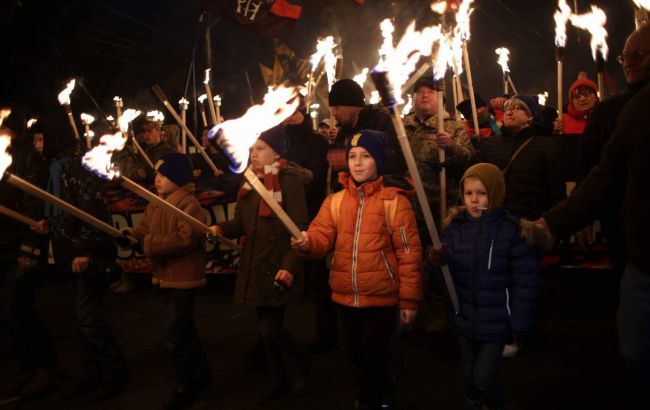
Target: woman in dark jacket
496	276
271	273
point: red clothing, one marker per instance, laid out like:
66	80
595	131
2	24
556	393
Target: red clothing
575	120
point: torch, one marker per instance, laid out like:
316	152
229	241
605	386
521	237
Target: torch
119	104
163	98
217	107
594	23
313	114
98	161
208	93
4	113
64	100
17	216
201	99
184	104
86	120
324	47
392	71
462	30
236	136
561	17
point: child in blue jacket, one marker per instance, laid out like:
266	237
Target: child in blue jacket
496	276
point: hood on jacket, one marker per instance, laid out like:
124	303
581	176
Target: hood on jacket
391	184
292	168
492	178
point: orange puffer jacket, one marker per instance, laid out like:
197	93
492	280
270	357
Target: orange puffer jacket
370	267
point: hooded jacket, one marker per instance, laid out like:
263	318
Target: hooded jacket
266	247
174	246
370	267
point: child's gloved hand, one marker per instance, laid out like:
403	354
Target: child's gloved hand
437	256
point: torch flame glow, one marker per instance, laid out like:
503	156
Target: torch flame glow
64	96
503	54
202	98
541	98
361	77
374	97
155	115
439	7
594	23
400	61
98	159
408	106
207	76
561	17
443	56
643	4
462	19
236	136
5	158
323	48
4	113
457	53
87	118
30	122
183	102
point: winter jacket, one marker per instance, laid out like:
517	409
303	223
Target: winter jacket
308	149
369	266
535	179
266	248
575	121
495	273
624	164
173	245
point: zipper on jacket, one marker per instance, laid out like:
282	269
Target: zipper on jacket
355	249
390	270
490	255
477	248
508	301
405	242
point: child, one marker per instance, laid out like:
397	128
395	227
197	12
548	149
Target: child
496	276
176	251
270	273
376	268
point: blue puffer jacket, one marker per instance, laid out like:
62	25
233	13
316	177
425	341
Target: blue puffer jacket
496	275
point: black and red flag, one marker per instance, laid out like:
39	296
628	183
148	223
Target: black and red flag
272	18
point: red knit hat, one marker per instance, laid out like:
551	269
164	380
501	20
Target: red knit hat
582	81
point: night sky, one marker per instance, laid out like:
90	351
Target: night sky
122	47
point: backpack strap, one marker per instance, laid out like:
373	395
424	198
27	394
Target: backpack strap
335	205
390	209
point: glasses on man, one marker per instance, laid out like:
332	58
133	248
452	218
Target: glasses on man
583	93
633	56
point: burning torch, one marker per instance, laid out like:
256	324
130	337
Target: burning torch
561	17
201	99
64	100
208	93
594	23
462	30
86	120
217	107
184	104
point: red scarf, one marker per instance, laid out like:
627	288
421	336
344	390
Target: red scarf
271	181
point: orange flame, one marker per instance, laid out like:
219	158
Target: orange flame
594	23
443	57
202	98
98	159
64	96
87	118
361	77
541	98
643	4
30	122
5	157
4	113
236	136
561	17
156	116
462	20
504	55
207	76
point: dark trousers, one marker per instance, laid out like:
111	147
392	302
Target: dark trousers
30	340
102	355
183	343
277	340
326	325
481	361
367	333
633	322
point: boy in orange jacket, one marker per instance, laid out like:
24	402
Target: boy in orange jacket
176	251
377	263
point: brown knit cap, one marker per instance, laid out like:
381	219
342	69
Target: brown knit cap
492	178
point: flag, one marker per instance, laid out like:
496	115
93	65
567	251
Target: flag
286	66
269	18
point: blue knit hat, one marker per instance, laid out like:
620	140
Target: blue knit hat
175	166
374	142
530	102
276	138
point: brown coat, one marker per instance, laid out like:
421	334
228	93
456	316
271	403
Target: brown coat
370	267
175	248
266	247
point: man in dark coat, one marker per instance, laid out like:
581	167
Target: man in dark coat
533	172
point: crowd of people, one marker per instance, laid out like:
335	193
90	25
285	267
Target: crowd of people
365	255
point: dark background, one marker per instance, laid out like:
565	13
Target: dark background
122	47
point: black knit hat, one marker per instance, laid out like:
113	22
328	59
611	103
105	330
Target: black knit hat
465	106
276	138
374	142
346	92
175	166
424	81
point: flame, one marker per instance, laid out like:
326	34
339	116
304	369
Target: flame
5	157
202	98
90	134
400	61
361	77
155	115
110	118
561	17
4	113
183	102
439	7
236	136
374	97
503	54
541	98
594	23
98	159
313	110
408	106
457	53
30	122
217	99
643	4
64	96
207	76
443	57
462	20
87	119
325	51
